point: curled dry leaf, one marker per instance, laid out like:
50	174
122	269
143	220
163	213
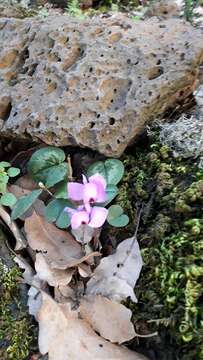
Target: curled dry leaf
28	274
110	319
116	275
63	335
21	242
54	277
60	249
34	296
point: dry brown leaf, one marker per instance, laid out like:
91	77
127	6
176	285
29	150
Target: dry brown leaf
34	296
59	247
27	183
28	274
38	205
110	319
117	274
54	277
84	270
64	336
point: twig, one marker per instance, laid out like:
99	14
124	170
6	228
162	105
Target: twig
70	170
20	239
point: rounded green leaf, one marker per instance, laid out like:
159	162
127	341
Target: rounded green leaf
114	211
61	191
44	161
121	221
111	191
4	164
97	167
13	171
24	203
54	211
56	174
112	170
8	199
63	220
116	217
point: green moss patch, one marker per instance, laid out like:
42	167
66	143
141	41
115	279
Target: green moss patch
170	192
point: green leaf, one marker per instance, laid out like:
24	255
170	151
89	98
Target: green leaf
4	164
112	191
121	221
54	212
56	174
24	203
115	171
13	171
61	190
116	217
47	166
112	170
63	220
8	199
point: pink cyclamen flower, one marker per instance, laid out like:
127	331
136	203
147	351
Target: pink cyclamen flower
92	190
95	218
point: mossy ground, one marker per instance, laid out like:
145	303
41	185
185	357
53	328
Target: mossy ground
170	192
16	328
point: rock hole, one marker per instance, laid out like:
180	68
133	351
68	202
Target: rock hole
97	98
115	91
182	56
98	116
15	113
5	112
108	147
155	72
91	69
158	62
150	93
128	61
111	121
37	125
32	69
79	115
118	141
92	124
112	101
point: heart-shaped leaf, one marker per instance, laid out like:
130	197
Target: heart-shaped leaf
61	190
54	212
24	203
13	171
8	199
116	217
112	170
111	191
47	166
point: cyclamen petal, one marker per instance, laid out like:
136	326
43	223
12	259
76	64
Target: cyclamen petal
79	218
98	179
98	216
90	193
75	191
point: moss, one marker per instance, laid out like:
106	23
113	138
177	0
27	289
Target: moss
16	334
170	192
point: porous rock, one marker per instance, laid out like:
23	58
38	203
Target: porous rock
94	83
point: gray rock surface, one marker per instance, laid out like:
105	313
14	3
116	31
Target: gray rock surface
94	83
